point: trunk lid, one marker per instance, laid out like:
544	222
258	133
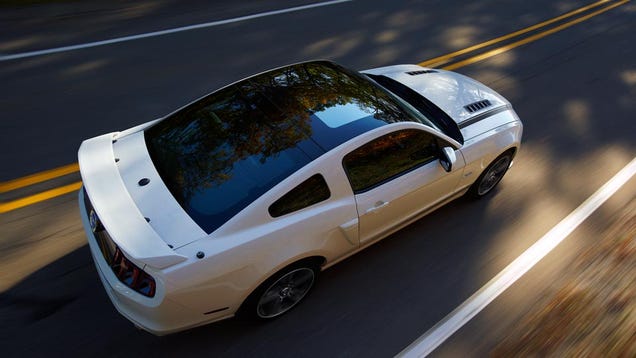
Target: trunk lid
115	200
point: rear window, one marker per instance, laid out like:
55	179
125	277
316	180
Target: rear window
220	155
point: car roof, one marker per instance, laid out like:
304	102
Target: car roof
325	91
220	153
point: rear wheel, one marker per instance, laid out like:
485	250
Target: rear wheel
285	293
491	176
281	292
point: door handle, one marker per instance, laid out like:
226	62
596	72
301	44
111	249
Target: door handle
379	205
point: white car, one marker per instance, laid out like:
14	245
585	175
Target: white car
235	202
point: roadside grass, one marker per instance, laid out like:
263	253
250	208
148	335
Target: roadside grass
594	313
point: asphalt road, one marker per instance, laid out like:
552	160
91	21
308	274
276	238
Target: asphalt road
574	90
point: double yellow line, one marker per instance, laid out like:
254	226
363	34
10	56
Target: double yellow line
449	61
442	61
37	178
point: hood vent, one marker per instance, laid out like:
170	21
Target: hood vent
474	107
420	72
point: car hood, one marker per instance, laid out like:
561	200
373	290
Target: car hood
462	98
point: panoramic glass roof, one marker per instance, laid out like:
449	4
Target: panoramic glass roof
222	152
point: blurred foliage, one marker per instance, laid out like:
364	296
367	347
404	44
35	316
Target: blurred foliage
594	314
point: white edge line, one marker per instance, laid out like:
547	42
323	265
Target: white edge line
165	32
445	328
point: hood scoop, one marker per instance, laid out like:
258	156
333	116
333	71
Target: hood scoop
420	72
476	106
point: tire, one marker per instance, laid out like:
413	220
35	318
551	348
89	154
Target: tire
281	292
491	176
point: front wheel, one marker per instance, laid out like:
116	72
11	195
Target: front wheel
491	176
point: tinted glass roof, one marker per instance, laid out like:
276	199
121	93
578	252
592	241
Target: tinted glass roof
222	152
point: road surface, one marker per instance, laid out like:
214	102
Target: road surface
575	90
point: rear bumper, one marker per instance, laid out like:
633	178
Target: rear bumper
158	315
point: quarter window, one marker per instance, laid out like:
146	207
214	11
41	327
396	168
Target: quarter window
388	157
307	193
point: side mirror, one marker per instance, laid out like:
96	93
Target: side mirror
447	158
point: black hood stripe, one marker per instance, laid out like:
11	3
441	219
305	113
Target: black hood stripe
484	115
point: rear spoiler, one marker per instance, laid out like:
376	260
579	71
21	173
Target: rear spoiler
116	209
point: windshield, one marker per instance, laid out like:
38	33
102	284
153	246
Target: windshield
421	105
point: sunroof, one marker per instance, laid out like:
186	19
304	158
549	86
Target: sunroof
341	114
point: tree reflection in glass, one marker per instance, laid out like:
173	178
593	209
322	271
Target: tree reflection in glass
222	152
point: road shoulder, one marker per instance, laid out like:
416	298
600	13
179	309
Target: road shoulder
577	297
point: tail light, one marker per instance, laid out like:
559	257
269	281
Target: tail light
132	276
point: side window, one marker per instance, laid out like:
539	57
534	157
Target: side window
309	192
389	156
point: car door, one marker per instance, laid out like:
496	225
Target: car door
397	176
